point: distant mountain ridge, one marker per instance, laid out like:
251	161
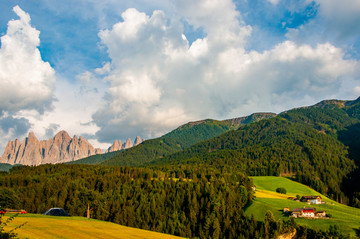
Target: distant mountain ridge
177	140
318	145
60	149
118	145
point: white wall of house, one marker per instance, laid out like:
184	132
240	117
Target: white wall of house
315	201
308	214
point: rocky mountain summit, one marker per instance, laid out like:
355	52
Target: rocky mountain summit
62	148
118	145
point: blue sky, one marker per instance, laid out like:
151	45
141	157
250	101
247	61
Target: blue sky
110	70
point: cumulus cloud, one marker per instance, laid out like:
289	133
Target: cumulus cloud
334	21
158	80
11	128
26	81
341	18
18	126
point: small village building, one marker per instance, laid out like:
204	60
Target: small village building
320	214
308	212
292	198
296	212
311	199
303	212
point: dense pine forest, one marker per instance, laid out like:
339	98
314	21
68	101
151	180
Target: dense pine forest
192	202
186	202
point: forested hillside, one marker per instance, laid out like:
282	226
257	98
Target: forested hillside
319	145
176	140
203	204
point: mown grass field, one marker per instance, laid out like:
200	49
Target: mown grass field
347	218
41	226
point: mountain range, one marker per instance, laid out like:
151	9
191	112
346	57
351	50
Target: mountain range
316	145
60	149
177	140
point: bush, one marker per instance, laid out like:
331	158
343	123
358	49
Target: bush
281	190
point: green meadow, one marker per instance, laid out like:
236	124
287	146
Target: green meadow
347	218
41	226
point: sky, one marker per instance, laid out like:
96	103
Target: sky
114	69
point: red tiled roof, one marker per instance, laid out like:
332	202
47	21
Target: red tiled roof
307	210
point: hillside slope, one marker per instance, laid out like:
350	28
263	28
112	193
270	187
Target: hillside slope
316	144
346	218
175	141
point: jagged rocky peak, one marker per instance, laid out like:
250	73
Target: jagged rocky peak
137	140
62	148
118	145
31	139
62	135
127	144
98	151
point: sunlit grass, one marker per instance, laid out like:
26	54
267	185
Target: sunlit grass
347	218
41	226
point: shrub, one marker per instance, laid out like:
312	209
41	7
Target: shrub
281	190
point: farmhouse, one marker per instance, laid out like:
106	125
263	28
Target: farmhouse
320	214
308	212
311	199
296	212
303	212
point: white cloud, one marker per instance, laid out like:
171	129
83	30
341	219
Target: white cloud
341	18
335	21
357	90
219	19
85	76
26	81
158	81
73	110
103	70
11	128
275	2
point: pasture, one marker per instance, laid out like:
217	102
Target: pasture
41	226
347	218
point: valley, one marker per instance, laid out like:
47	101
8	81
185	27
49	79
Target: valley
196	181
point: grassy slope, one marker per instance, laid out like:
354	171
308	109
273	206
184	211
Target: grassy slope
347	218
41	226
